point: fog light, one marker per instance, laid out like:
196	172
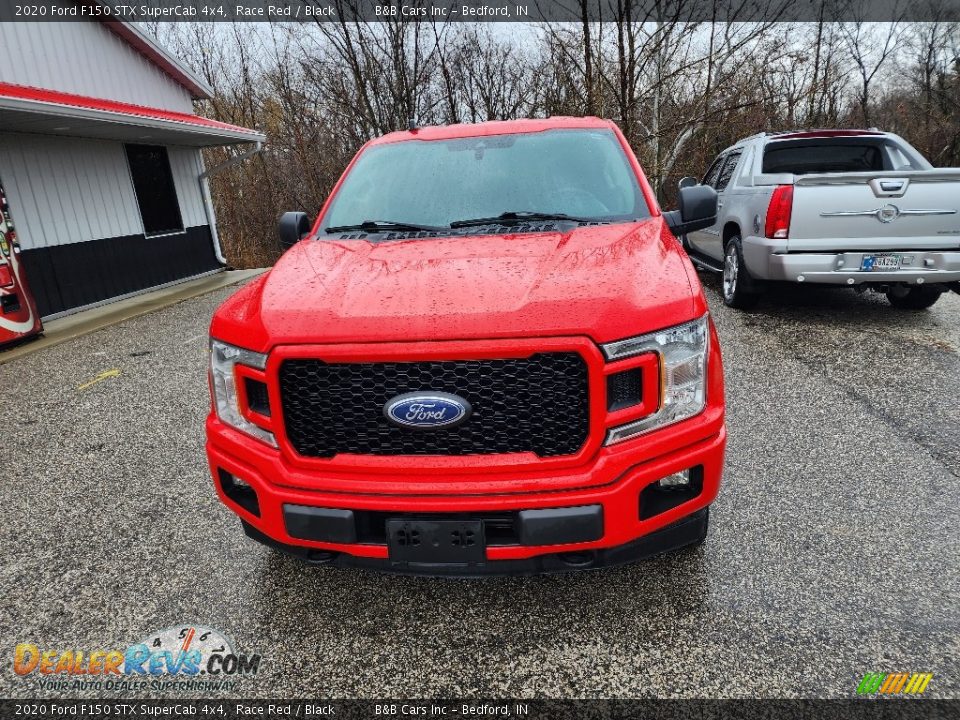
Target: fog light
670	492
677	480
239	491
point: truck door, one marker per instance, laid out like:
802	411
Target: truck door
700	240
709	242
18	311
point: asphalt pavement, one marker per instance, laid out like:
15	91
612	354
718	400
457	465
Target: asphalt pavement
833	549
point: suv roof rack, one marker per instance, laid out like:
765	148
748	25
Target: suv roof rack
827	132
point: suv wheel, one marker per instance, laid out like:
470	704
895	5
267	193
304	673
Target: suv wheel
915	298
739	289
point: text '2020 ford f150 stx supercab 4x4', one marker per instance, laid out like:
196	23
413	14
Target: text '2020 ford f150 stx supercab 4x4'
489	354
854	208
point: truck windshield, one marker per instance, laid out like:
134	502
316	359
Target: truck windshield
580	173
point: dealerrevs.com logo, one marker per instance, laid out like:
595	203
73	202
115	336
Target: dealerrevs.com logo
894	683
189	657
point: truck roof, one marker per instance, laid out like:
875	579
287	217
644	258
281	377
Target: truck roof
790	134
493	127
812	134
815	133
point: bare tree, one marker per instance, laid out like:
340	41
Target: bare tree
680	90
870	46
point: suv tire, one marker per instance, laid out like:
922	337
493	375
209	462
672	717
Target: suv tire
915	298
738	288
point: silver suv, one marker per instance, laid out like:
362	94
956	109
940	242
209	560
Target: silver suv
860	208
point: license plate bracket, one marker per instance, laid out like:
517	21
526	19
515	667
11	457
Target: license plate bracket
881	262
448	542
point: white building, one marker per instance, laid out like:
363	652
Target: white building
100	162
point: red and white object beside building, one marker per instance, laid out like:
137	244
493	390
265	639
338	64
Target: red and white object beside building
18	311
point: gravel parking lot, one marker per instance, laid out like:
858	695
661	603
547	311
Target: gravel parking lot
833	548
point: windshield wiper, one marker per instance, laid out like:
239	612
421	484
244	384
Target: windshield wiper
519	216
383	226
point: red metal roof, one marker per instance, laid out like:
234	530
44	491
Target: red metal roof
53	97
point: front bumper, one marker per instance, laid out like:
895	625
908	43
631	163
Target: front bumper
508	507
613	481
625	516
689	530
768	260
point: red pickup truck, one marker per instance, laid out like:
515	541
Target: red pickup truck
489	354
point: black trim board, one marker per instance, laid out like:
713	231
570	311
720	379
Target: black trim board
64	277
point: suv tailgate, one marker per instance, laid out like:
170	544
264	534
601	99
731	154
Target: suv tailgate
912	209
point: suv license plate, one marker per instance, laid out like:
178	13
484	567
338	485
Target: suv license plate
881	263
459	542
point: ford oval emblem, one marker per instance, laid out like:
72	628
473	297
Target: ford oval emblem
427	410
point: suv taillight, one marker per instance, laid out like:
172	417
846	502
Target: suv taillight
778	212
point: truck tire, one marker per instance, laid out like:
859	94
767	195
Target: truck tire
915	298
739	289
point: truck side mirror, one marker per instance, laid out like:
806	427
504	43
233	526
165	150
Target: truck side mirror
293	227
687	182
697	210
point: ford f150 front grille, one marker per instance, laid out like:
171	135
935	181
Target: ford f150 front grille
537	404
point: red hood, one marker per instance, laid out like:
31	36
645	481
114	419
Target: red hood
606	282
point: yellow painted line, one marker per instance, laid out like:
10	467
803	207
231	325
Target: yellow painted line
100	378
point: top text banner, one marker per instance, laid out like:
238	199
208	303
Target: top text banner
442	11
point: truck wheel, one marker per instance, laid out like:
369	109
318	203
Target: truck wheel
739	289
915	298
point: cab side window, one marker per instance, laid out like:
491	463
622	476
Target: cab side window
711	177
723	179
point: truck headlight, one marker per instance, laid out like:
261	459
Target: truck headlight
223	383
683	370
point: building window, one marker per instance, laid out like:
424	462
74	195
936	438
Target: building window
156	193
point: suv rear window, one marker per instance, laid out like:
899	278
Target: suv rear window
804	158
